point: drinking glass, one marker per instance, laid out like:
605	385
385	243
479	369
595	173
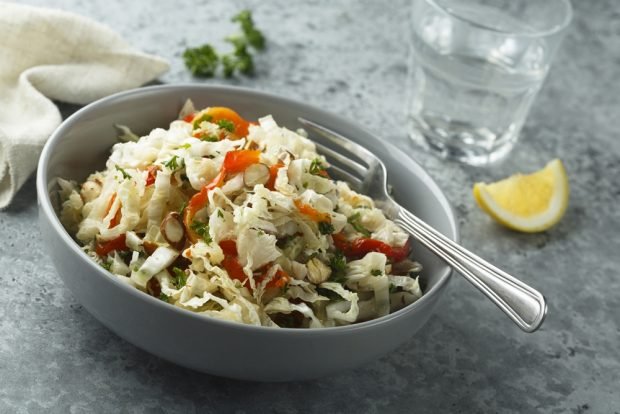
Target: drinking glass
476	67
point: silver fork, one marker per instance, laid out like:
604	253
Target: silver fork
366	173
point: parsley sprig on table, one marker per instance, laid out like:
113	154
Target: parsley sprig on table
204	60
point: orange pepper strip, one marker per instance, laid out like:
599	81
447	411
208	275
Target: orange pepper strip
273	174
234	161
279	280
239	160
197	202
219	113
116	219
312	213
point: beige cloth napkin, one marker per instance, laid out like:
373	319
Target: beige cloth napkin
50	54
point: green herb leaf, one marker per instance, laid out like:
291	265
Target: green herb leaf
125	175
209	138
226	124
220	214
186	146
165	298
182	209
355	222
393	288
106	265
329	294
179	277
201	61
240	59
172	164
326	227
338	264
316	167
204	60
202	118
253	35
201	229
229	63
376	272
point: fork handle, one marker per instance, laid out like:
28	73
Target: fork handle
523	304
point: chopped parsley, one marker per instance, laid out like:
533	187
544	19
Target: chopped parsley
219	213
164	297
355	222
316	167
226	124
209	138
201	229
393	288
182	208
325	227
376	272
329	294
122	171
172	164
179	277
338	264
106	265
202	118
186	146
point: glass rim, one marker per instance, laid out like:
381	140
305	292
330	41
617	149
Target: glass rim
538	33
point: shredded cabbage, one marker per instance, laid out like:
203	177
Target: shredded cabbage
174	215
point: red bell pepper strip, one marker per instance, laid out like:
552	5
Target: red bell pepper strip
235	270
118	243
231	260
279	280
359	247
233	267
152	174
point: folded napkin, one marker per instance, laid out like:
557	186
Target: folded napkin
49	54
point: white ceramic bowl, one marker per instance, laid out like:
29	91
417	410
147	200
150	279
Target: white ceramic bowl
81	145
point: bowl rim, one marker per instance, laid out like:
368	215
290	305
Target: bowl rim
45	207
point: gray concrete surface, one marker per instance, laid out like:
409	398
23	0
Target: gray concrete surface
350	57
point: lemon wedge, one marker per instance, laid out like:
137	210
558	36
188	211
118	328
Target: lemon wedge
528	203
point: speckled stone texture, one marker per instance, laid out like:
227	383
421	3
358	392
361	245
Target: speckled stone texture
350	57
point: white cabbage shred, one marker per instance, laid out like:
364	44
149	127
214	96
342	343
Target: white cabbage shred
168	217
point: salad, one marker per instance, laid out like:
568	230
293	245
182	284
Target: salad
240	221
